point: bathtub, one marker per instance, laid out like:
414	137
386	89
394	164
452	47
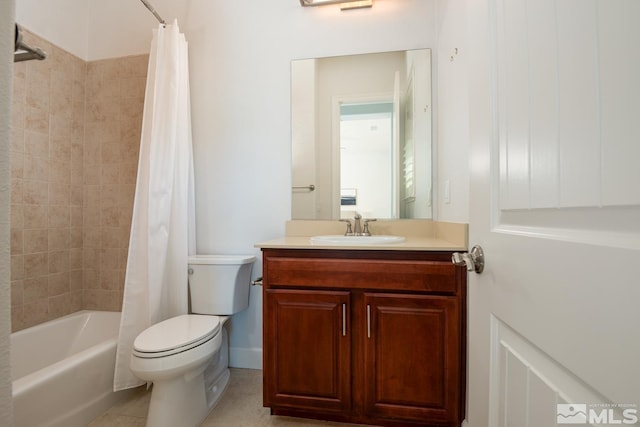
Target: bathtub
62	370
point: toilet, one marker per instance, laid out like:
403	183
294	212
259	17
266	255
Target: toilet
187	356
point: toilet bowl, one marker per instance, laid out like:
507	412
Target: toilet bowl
186	357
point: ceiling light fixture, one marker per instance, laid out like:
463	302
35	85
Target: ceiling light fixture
344	4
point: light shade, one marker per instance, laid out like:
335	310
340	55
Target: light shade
344	4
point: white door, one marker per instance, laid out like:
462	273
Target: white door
554	320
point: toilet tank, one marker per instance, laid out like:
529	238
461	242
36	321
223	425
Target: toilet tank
219	284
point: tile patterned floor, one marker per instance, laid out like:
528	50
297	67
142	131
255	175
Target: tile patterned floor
240	406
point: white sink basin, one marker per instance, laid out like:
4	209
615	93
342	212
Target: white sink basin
337	239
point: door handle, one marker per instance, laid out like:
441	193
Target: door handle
474	260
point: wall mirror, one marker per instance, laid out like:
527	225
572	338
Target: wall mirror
361	136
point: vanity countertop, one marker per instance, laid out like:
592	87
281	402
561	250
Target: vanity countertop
420	235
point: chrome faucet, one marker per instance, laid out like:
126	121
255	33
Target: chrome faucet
357	229
360	226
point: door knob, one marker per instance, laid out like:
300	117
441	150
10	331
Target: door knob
474	260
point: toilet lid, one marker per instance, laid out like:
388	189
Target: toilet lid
175	335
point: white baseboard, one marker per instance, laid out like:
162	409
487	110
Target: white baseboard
248	358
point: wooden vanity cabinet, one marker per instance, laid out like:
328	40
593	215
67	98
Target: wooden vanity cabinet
411	358
368	336
309	359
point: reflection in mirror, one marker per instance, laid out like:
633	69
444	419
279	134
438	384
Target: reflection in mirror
361	136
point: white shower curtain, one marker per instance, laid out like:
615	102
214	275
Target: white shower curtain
163	225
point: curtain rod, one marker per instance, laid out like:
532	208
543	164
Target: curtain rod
152	10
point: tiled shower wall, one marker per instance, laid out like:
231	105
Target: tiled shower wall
113	120
76	131
46	184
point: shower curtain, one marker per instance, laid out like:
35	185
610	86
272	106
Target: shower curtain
163	224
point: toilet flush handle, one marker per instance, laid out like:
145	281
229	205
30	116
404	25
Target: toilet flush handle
190	271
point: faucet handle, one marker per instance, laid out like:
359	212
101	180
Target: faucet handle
349	231
365	226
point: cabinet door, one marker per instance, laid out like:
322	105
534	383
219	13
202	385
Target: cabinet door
412	357
307	350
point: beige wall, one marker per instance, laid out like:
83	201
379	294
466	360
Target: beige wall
74	159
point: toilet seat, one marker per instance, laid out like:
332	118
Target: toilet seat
176	335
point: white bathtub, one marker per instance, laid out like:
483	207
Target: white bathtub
62	370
